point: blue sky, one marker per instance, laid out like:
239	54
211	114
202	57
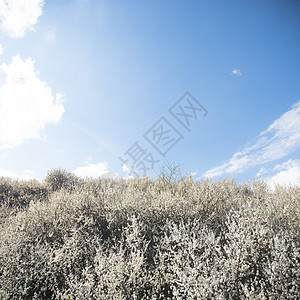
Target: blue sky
82	81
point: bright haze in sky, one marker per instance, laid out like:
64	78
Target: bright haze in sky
117	88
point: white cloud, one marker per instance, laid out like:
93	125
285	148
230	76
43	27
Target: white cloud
22	175
96	171
287	165
26	104
17	16
288	175
236	72
1	49
128	170
280	139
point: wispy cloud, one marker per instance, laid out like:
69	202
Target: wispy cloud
280	139
236	72
261	172
17	16
26	103
96	170
1	49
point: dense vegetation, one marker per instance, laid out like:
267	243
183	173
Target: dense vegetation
168	238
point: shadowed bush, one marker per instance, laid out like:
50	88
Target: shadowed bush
153	239
16	195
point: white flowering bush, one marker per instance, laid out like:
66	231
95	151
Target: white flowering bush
165	238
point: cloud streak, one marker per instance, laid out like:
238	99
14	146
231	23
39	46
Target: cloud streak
280	139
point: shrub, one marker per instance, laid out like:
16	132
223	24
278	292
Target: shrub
131	239
61	179
16	195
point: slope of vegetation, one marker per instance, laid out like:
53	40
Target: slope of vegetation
168	238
